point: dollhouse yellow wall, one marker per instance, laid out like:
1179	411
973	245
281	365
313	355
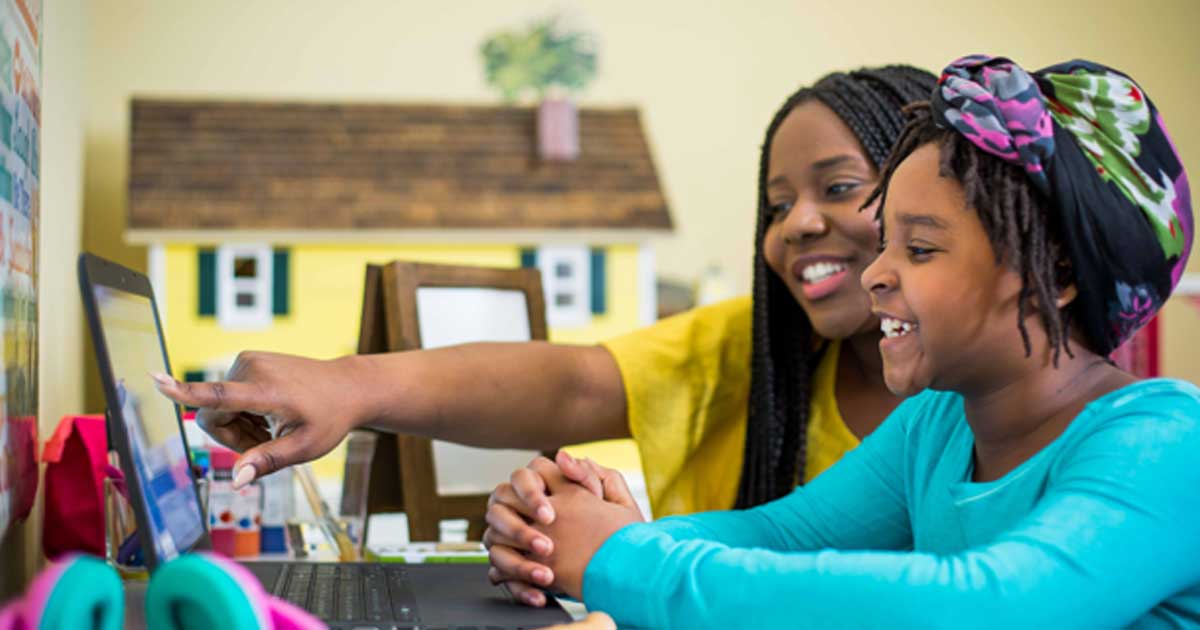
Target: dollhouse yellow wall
326	287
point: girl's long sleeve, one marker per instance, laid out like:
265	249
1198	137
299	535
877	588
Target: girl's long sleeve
1109	539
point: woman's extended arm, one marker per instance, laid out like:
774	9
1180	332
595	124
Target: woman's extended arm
283	410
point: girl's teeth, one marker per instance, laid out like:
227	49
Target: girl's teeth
819	271
894	327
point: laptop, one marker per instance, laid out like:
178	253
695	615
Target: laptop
146	430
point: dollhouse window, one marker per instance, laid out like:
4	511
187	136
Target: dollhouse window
244	286
237	287
566	281
573	281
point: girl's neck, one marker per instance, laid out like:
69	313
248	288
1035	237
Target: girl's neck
862	396
1014	420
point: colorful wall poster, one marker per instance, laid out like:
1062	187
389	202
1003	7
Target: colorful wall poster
20	151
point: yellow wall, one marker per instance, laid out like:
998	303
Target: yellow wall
1180	334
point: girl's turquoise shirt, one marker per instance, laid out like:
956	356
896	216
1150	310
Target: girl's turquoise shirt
1099	529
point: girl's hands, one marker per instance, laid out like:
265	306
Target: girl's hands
522	555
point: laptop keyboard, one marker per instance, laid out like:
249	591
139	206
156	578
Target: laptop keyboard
359	597
342	594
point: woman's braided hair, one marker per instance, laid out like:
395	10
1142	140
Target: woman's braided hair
1020	222
784	351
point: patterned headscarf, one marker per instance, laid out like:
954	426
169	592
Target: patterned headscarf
1090	140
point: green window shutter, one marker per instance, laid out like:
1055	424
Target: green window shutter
599	290
528	257
207	283
279	268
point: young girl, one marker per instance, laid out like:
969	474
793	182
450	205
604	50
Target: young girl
1031	224
730	405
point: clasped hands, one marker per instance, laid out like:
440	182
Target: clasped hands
547	522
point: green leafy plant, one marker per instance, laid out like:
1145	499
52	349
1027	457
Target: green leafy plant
541	57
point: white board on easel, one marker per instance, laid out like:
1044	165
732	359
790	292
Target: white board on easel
448	316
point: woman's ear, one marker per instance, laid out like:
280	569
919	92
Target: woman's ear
1066	295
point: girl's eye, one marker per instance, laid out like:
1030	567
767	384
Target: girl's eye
840	188
920	254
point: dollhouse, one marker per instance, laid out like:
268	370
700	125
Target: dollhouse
260	217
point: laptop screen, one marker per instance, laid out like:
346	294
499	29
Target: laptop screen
159	455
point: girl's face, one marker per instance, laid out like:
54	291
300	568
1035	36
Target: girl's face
947	309
817	241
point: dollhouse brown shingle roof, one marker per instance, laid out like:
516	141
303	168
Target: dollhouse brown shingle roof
203	165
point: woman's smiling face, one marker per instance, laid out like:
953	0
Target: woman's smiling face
948	310
818	242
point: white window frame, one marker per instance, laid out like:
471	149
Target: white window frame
578	285
647	285
229	314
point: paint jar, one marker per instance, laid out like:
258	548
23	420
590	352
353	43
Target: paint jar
221	527
278	507
235	516
247	524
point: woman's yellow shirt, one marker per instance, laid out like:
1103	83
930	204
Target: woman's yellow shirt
687	382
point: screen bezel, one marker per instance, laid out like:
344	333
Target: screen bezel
93	272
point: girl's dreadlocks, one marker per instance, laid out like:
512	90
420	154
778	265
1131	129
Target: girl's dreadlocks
1019	221
784	351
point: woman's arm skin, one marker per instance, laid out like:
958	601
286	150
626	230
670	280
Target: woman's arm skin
282	410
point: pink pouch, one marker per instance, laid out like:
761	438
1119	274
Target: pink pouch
76	458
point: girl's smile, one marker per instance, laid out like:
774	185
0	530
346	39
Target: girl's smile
894	327
941	296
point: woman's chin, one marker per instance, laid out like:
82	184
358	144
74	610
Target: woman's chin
843	325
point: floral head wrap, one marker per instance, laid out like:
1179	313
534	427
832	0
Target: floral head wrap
1090	140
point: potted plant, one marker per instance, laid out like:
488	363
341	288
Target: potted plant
550	62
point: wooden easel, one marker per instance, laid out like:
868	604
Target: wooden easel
402	474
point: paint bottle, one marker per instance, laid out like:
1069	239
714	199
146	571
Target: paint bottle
278	506
235	516
247	520
220	500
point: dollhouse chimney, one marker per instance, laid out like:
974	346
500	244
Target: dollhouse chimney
558	129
